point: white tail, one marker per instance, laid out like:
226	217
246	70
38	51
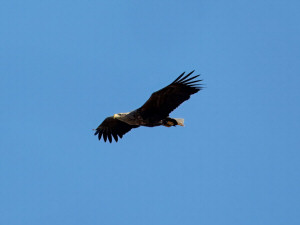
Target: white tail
180	121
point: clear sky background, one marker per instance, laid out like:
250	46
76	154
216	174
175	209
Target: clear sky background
67	65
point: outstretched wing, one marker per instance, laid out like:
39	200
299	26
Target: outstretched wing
163	102
111	127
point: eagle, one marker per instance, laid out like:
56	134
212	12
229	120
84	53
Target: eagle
155	111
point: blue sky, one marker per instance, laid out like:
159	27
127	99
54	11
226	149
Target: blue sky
67	65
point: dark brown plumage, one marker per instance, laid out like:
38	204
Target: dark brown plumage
155	111
111	127
163	102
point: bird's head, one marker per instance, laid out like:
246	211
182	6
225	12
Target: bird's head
119	115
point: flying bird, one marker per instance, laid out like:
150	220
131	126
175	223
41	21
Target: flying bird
155	111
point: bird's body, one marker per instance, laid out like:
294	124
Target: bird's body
135	118
155	112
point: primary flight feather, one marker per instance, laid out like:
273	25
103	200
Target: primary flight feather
155	111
